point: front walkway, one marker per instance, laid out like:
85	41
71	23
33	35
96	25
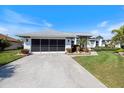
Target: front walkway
48	70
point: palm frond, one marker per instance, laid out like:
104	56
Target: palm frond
119	35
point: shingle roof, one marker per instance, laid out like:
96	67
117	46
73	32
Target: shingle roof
52	33
8	38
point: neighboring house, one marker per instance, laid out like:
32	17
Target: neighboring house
96	42
99	41
51	41
14	43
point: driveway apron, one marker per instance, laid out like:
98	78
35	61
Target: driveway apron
47	71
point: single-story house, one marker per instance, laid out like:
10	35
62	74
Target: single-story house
100	42
14	43
56	41
51	40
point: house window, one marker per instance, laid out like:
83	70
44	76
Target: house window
77	41
103	42
92	42
97	43
72	43
26	40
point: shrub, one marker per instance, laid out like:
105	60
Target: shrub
25	51
104	49
69	50
119	50
21	47
81	49
85	50
4	44
74	48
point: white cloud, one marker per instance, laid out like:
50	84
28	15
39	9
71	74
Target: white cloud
14	17
103	24
104	29
47	24
3	30
14	23
13	30
95	32
105	34
115	26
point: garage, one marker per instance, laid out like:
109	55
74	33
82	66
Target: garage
44	45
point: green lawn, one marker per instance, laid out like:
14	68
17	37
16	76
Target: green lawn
8	56
107	67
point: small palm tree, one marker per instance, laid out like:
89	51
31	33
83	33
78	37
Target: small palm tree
118	38
82	42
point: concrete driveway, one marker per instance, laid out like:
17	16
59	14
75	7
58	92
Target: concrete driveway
48	70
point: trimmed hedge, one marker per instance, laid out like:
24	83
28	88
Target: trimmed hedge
25	51
119	50
105	49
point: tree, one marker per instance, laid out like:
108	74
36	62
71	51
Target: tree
82	42
118	37
3	44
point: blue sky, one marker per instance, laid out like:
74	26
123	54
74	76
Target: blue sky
99	20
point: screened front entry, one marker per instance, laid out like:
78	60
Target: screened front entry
47	45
